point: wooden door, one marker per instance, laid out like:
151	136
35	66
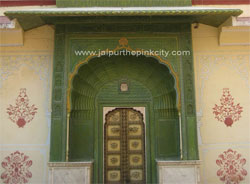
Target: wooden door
124	147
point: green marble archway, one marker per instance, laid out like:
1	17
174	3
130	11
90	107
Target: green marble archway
150	84
68	39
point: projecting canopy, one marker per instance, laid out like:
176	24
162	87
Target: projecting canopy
32	18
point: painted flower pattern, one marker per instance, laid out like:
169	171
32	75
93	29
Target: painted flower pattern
22	112
231	167
227	111
16	168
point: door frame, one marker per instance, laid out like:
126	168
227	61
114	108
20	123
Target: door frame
150	164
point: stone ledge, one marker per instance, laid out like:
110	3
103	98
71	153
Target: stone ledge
70	172
179	172
70	164
178	163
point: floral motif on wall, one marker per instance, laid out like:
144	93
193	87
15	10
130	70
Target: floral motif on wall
22	112
227	111
231	167
16	167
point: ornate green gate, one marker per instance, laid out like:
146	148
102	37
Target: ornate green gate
84	85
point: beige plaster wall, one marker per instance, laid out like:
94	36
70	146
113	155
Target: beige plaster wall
26	67
218	67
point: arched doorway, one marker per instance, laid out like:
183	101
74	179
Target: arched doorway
123	82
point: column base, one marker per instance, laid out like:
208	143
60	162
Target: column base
70	172
179	172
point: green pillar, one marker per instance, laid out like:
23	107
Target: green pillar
59	116
188	111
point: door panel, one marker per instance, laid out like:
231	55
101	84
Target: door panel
124	147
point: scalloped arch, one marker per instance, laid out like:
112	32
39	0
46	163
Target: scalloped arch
76	74
92	76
